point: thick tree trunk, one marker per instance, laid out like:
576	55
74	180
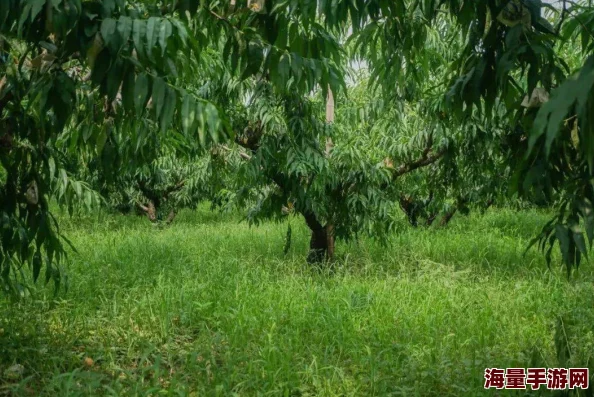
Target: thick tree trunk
321	244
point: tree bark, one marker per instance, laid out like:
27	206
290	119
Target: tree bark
171	216
448	216
150	210
321	244
408	207
431	219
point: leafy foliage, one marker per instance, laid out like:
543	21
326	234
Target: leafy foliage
456	104
83	69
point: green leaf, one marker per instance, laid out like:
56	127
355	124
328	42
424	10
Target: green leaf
114	80
100	143
108	33
188	114
562	234
128	89
589	224
141	92
152	33
182	32
36	7
77	188
138	35
52	166
159	88
4	11
101	66
168	109
580	243
24	17
164	33
125	28
37	263
212	117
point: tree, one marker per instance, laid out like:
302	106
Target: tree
97	73
67	64
510	54
87	72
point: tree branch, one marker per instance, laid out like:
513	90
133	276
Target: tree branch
428	157
250	139
243	155
174	188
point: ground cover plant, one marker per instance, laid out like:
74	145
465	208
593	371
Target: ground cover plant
374	196
172	313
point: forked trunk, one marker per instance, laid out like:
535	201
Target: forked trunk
150	210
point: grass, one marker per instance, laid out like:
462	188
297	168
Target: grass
210	306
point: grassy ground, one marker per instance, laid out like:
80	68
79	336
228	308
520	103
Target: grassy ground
212	307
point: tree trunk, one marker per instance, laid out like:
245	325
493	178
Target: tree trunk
330	241
321	244
150	210
431	219
409	208
171	216
448	217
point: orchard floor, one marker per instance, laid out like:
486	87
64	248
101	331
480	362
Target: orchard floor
211	307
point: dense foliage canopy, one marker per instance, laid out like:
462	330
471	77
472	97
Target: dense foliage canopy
341	111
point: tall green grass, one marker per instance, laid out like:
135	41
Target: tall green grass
210	306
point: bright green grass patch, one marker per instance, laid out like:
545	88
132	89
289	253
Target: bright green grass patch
210	306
